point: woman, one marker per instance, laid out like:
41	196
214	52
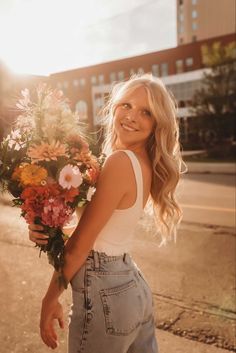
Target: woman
112	308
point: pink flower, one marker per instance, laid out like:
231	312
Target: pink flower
70	176
55	212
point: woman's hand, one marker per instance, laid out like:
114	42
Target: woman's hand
51	310
36	236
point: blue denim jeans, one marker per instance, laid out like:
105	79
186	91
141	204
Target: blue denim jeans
112	310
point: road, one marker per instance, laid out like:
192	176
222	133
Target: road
208	199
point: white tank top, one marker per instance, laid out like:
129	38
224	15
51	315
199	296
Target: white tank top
117	235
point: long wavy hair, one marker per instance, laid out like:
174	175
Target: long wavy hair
162	146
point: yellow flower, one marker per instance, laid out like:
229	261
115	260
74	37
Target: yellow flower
33	174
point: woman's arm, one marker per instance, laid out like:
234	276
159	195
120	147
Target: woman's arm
112	186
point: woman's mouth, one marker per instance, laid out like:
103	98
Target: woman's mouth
128	128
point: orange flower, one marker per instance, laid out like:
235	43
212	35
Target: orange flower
32	174
17	173
47	152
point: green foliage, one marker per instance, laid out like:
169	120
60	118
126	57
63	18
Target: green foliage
214	105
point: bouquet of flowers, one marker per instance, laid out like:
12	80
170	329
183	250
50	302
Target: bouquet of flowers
46	164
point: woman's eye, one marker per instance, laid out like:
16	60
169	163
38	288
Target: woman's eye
126	105
147	112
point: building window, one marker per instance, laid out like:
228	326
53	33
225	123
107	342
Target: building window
194	26
194	14
155	70
140	71
181	2
132	72
112	77
179	66
194	2
82	82
194	38
121	75
189	62
82	109
181	17
101	79
164	69
65	84
181	40
75	83
181	28
93	80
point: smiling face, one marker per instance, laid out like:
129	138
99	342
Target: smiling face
133	120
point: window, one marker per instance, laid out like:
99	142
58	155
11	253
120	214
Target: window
65	84
194	26
140	71
101	79
75	83
82	82
181	28
194	2
181	2
164	69
112	77
155	70
179	66
132	72
82	109
189	61
181	40
194	14
93	80
194	38
121	75
181	17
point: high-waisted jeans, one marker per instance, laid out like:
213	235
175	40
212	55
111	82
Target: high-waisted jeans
112	310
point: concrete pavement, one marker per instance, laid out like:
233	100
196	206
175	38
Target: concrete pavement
193	284
216	168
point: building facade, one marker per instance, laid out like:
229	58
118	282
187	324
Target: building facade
202	19
180	68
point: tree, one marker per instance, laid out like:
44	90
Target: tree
214	104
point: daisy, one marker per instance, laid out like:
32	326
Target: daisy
70	176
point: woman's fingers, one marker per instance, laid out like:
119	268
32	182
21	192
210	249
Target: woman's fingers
38	238
35	227
49	337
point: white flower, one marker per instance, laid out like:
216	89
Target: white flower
70	176
14	140
90	193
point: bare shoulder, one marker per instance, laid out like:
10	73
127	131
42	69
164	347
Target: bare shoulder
117	163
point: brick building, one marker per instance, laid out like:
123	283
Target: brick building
202	19
180	68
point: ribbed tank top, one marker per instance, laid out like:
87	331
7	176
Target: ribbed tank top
116	237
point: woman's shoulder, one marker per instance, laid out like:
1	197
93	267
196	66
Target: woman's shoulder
118	158
117	166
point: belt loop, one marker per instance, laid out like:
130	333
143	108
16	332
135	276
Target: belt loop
96	260
125	258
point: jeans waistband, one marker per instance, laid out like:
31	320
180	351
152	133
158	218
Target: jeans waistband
100	257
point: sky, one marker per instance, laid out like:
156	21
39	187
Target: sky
45	36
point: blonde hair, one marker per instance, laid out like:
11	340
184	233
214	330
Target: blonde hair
163	148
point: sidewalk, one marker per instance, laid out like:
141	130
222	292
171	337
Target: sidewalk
193	284
217	168
24	278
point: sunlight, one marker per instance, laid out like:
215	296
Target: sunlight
39	39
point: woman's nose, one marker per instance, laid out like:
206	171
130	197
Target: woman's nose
131	115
